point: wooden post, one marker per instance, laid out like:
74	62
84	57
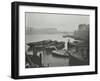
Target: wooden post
40	60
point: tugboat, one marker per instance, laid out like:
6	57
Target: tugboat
61	53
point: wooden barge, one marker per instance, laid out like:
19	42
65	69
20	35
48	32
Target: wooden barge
46	44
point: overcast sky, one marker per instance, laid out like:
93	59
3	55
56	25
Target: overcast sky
59	21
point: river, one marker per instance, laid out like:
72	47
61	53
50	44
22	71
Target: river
49	59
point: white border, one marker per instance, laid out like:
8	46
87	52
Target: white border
53	70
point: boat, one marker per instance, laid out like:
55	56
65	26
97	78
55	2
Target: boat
65	36
61	53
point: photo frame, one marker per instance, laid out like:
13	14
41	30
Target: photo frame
50	40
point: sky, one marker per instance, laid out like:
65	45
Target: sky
62	22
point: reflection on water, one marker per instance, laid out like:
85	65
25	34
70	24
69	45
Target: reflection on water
51	60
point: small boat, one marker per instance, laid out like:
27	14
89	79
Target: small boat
65	36
61	53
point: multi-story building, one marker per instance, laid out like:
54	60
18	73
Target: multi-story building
80	49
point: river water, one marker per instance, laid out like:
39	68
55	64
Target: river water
49	59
